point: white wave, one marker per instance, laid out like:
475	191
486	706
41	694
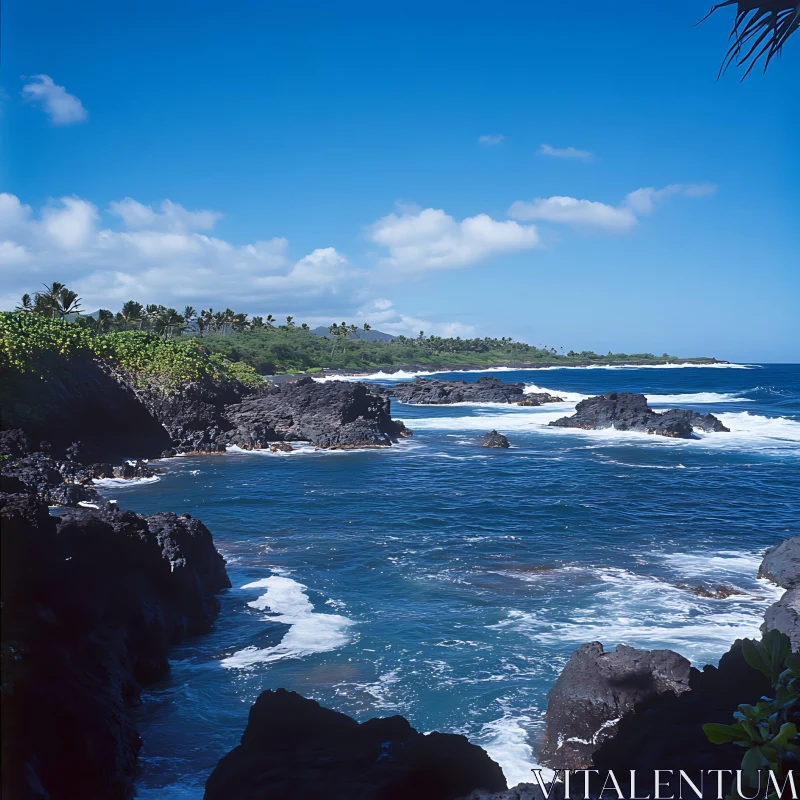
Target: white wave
725	564
310	632
308	449
569	397
767	435
643	611
118	483
506	741
697	397
404	375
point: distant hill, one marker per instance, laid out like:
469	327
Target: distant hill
367	336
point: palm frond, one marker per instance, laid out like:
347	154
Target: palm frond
760	29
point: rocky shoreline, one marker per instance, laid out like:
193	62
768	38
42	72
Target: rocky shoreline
431	391
92	602
608	710
428	368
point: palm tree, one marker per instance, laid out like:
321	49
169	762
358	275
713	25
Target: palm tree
208	317
25	303
105	319
57	301
189	314
304	327
270	320
367	327
131	315
290	322
257	323
239	322
764	27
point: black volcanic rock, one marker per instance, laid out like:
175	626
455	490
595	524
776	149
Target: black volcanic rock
81	399
784	616
626	411
595	690
493	439
91	604
294	749
335	415
433	391
781	565
665	731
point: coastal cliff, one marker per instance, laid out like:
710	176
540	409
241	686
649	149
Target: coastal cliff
92	602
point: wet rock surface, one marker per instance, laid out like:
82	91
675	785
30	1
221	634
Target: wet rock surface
626	411
91	604
594	692
433	391
294	749
494	439
781	565
334	415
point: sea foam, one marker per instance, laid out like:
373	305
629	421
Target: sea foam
310	632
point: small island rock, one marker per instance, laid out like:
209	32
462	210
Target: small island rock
494	439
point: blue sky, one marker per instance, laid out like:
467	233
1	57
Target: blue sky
326	160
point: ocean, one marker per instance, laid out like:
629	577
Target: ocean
450	583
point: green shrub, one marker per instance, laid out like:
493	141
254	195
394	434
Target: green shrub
32	343
764	729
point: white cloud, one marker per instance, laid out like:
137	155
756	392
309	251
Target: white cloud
172	217
429	239
565	152
157	257
491	138
62	107
383	316
591	215
578	213
643	201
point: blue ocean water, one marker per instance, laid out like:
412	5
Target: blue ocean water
450	583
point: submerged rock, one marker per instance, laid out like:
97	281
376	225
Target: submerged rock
626	411
91	604
294	749
281	447
595	690
493	439
433	391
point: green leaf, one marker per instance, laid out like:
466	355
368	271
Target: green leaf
722	734
787	732
756	656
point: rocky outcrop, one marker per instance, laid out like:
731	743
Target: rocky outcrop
337	415
91	604
626	411
493	439
82	400
784	616
432	391
60	481
594	692
294	749
665	731
781	565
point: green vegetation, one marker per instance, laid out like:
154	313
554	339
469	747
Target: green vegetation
155	340
765	729
34	343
